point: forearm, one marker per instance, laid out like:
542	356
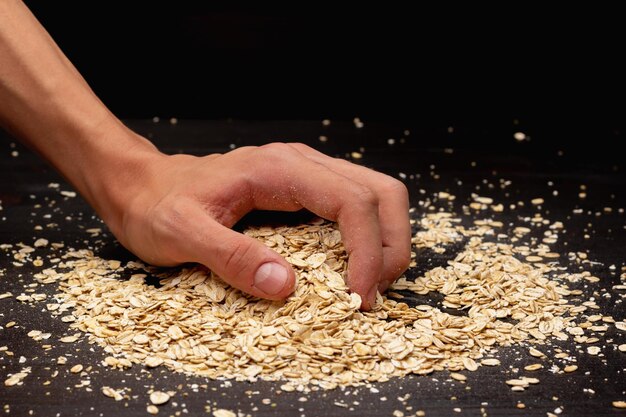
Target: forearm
47	104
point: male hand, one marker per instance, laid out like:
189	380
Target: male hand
183	206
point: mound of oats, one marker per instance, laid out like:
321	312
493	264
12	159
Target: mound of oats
195	323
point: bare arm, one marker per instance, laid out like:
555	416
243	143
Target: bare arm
174	209
46	103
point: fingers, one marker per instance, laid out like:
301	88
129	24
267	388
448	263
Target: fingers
243	262
192	222
393	210
246	263
290	178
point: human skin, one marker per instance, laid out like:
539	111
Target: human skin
171	209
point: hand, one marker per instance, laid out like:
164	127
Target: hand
181	209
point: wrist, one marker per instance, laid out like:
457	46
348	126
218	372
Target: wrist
115	173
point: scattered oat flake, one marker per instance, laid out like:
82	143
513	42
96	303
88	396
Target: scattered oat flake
152	409
69	339
483	200
159	397
153	361
517	382
17	378
112	393
619	404
593	350
470	364
76	369
40	243
570	368
534	258
287	388
457	376
223	413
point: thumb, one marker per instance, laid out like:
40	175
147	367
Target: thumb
243	262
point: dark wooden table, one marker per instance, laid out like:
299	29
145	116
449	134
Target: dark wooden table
429	159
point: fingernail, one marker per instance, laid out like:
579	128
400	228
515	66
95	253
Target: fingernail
271	278
371	295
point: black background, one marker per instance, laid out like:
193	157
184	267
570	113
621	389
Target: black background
555	67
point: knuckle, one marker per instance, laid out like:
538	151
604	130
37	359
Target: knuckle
244	154
237	257
165	226
274	154
300	146
393	186
276	147
242	150
166	218
365	196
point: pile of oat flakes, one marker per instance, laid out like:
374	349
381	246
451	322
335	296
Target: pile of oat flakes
503	293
